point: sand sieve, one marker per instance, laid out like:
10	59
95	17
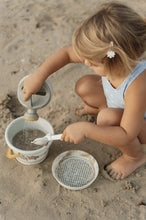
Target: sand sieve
75	169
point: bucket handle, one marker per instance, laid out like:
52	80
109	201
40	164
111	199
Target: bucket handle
10	154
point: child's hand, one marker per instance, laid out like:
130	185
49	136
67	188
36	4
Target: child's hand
74	133
31	85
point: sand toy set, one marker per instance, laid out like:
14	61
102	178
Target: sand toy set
30	136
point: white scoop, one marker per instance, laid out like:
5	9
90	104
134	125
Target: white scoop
44	140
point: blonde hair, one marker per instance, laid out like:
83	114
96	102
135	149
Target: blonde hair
114	27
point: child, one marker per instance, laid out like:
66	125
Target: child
111	43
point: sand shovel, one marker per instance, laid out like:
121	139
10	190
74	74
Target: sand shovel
44	140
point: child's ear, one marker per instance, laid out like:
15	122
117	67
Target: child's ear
145	19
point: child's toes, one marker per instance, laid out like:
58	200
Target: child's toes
112	174
117	176
80	110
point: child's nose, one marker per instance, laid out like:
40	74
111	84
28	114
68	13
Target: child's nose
87	62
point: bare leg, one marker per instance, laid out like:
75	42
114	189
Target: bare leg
90	89
133	155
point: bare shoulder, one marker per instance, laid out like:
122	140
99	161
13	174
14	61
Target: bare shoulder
136	92
138	85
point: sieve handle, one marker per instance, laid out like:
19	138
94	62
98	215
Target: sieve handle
10	154
54	137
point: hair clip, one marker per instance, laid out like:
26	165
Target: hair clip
110	54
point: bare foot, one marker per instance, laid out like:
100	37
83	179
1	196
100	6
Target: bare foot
84	109
124	166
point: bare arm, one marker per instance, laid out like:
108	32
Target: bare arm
56	61
53	63
131	122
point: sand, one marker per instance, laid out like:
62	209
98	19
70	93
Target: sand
29	32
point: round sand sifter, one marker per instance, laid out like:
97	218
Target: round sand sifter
36	101
75	169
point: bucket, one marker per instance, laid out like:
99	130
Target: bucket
23	156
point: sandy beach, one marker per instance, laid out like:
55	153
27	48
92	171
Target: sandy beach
30	31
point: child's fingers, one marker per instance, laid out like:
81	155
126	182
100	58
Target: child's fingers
66	138
26	96
63	136
23	90
71	140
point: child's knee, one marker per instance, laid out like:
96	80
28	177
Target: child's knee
109	117
81	86
102	118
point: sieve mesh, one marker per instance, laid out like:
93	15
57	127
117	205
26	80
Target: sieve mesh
74	171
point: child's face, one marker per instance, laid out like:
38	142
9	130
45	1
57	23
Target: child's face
96	66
